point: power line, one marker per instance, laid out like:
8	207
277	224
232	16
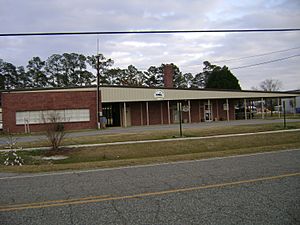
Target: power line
258	55
147	32
266	62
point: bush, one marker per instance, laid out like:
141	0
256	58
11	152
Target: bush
13	159
55	130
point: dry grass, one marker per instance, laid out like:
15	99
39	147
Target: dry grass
151	135
191	132
133	154
180	147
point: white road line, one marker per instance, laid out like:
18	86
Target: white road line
142	166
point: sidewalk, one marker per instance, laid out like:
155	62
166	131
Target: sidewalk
153	141
136	129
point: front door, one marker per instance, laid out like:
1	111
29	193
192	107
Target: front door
112	113
208	113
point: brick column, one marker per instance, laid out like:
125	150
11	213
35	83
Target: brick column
168	76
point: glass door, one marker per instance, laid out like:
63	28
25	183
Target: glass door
208	112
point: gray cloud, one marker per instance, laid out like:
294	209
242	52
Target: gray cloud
188	51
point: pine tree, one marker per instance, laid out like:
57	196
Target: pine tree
36	73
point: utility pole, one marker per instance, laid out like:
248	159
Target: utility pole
98	91
179	105
284	115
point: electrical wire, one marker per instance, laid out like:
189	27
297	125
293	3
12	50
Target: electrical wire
258	55
147	32
266	62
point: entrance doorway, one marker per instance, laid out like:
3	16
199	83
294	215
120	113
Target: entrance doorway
208	112
112	112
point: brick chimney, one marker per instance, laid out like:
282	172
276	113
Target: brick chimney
168	75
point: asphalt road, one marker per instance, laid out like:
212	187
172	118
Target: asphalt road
253	189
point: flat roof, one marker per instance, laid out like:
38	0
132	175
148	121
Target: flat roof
134	94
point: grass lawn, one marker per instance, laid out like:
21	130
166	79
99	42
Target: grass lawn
164	134
275	116
133	154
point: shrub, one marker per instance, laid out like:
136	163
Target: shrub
55	130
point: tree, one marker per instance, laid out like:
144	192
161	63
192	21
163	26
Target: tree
24	80
199	81
36	72
179	80
2	82
114	76
2	78
270	85
53	69
74	70
132	77
104	65
85	78
55	131
68	69
220	78
12	77
154	76
188	80
9	75
17	77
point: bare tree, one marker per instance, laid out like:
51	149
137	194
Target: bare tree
270	85
55	131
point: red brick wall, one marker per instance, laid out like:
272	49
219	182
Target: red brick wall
158	113
154	113
222	114
214	109
30	101
219	112
144	112
156	108
165	112
217	107
195	111
135	109
168	76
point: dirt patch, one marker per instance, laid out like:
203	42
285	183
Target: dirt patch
55	157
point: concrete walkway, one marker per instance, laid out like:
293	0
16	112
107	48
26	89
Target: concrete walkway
157	141
136	129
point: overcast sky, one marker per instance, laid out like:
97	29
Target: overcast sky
188	51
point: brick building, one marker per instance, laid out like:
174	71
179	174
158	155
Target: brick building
29	110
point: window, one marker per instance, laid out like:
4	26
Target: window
77	115
66	115
22	117
34	117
